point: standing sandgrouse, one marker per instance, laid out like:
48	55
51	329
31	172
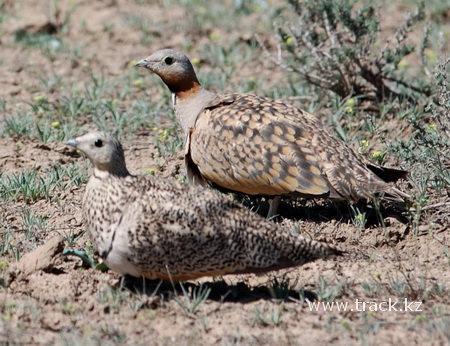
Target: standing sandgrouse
165	229
258	146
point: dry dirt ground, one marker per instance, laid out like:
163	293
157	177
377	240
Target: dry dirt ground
47	298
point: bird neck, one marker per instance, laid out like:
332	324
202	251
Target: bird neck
120	172
187	90
188	104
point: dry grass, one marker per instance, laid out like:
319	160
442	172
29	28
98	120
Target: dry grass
67	67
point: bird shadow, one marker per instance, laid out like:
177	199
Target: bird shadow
322	211
218	291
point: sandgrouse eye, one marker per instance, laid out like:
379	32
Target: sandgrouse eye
168	60
98	143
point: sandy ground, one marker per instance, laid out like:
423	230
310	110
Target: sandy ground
48	298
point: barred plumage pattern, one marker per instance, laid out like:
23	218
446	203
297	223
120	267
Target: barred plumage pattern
158	228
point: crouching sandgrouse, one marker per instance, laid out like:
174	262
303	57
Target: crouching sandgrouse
258	146
158	228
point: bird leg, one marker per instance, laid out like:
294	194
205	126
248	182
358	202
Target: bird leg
274	203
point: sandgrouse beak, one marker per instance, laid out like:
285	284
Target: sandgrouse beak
73	143
142	63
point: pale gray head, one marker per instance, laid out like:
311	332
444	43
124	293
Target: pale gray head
173	67
104	151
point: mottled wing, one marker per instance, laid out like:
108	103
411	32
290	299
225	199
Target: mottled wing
177	232
187	232
350	174
247	144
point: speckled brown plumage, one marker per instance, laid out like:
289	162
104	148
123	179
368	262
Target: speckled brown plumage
155	227
259	146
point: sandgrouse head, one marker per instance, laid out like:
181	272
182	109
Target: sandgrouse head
173	67
103	150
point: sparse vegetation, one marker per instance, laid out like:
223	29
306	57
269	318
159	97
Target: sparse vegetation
272	317
340	48
193	298
375	74
33	185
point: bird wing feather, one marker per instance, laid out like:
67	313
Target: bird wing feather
244	143
186	232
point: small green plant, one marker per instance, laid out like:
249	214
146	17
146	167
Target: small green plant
281	289
329	290
33	223
359	217
18	126
8	245
376	206
193	298
53	131
399	286
78	174
373	286
28	186
72	236
33	185
96	90
73	106
49	84
271	316
168	141
113	297
439	326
